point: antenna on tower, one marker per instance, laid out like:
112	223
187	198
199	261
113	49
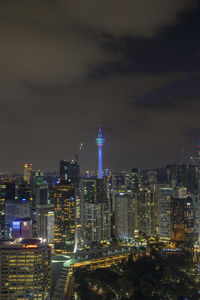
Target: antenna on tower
80	148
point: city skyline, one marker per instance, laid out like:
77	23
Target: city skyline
100	149
182	158
63	69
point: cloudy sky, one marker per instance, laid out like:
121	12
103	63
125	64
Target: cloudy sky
67	64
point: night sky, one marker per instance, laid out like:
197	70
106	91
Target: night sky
66	65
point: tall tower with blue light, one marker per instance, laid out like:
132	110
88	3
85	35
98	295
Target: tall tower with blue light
100	142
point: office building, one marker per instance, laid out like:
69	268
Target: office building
45	218
7	195
22	228
92	222
64	218
2	209
192	179
49	230
124	216
89	190
146	210
27	173
79	220
161	175
182	217
23	192
15	210
96	210
69	172
164	211
24	270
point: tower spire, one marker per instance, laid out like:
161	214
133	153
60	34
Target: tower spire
100	142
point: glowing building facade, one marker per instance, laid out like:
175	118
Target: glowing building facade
182	216
64	218
24	270
164	211
27	173
2	209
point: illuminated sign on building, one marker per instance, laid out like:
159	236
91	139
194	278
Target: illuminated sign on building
16	225
30	246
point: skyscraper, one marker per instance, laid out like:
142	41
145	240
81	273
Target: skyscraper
2	208
100	143
124	215
22	228
27	173
164	210
145	208
24	269
64	218
182	222
69	172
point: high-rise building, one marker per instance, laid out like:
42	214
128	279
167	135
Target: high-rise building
24	270
14	210
148	177
2	209
49	222
69	172
196	209
182	217
124	215
27	173
92	222
79	220
145	211
164	211
42	195
161	175
7	195
96	209
45	218
177	175
88	190
106	220
172	174
135	178
192	179
23	192
22	228
10	191
36	182
118	182
64	218
100	142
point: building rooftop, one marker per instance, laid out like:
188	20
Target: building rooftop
22	243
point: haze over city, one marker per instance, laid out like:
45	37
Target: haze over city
66	65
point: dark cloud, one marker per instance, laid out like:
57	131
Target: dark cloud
65	65
176	95
138	17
